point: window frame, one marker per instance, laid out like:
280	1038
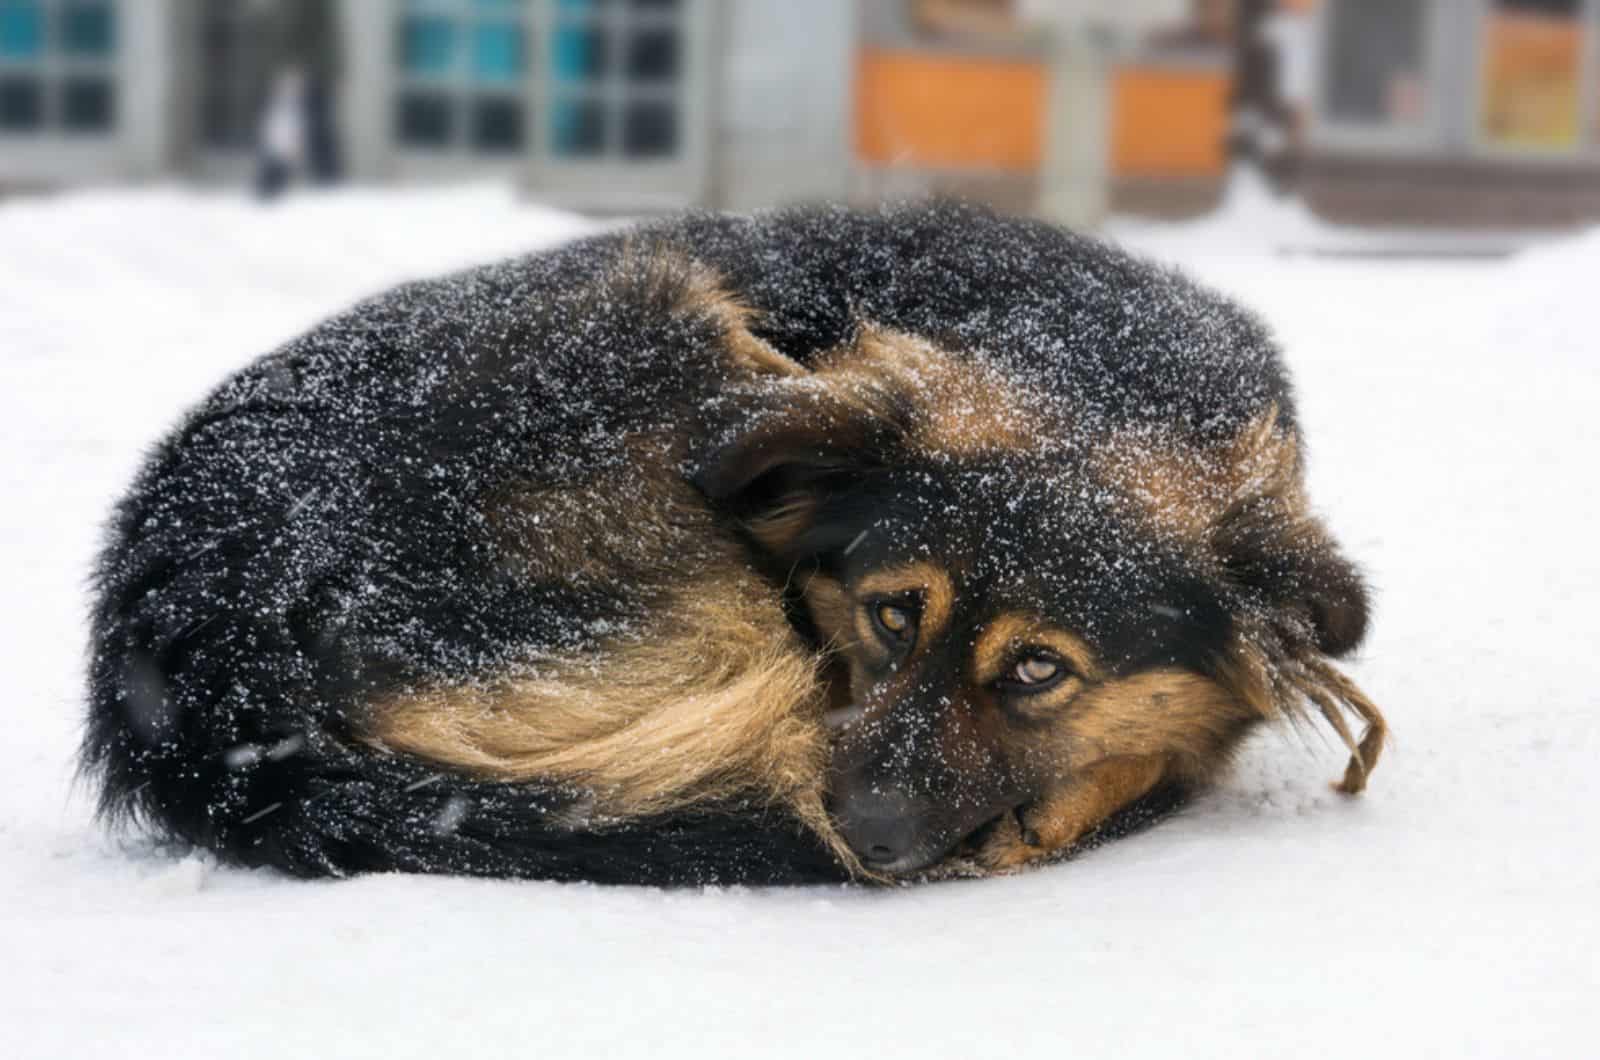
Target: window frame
1424	137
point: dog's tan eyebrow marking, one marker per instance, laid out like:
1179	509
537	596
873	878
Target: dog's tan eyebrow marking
1001	637
930	581
830	608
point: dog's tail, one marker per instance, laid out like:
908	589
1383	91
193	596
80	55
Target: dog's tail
217	717
311	803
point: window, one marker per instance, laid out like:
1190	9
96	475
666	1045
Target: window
1376	69
1532	58
564	79
463	69
57	66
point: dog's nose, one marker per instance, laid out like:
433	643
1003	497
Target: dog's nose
881	827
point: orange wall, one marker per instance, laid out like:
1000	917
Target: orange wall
1169	122
938	110
1532	73
934	109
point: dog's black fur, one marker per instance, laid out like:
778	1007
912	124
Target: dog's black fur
313	534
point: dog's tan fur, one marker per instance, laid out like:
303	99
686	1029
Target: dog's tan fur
1185	489
717	700
964	408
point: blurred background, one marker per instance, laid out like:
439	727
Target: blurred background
1475	113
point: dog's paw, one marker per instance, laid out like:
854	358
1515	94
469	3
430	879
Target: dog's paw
1011	843
1030	835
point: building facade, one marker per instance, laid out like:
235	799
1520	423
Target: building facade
1446	110
1456	110
625	104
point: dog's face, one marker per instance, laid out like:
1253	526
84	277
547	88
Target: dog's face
997	617
989	632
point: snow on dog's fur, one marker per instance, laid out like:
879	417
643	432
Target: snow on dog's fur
794	547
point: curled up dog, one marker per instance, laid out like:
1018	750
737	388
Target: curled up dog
805	546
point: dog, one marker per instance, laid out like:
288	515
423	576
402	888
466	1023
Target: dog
812	545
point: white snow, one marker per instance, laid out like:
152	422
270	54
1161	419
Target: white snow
1451	911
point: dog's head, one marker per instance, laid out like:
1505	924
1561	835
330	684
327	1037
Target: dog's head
1004	600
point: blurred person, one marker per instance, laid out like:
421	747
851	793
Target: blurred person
1289	31
298	131
1272	87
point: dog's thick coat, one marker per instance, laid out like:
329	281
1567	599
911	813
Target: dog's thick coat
517	572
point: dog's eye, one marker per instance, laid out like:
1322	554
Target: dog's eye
896	623
1035	673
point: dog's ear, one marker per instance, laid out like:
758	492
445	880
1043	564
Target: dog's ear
1291	563
1271	545
780	452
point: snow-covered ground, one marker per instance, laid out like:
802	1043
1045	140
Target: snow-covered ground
1450	912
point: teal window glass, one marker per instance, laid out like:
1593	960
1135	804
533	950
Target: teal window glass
497	51
21	29
427	44
578	128
578	52
88	29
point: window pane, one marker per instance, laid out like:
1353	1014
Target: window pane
21	103
578	53
649	129
21	35
1532	73
87	29
427	44
1375	57
578	128
425	119
654	5
581	6
86	104
497	51
653	55
497	125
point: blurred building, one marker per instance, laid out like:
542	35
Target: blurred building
1391	110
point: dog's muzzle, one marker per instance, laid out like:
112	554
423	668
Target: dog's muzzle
889	831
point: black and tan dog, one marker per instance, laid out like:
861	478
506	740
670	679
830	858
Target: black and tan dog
727	549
